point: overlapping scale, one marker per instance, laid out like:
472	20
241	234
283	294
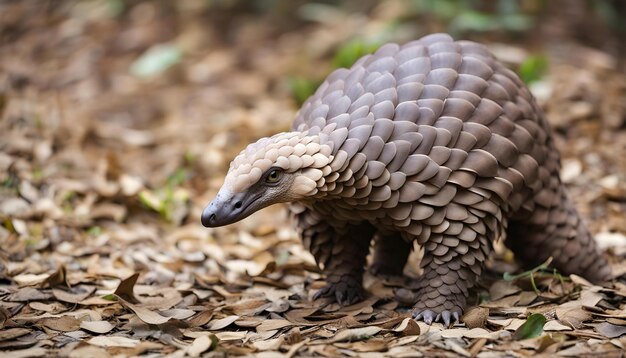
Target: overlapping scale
437	140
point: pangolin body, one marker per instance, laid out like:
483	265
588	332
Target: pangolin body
434	141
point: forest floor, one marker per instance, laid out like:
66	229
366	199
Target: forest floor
117	130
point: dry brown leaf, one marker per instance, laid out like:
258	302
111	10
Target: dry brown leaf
76	294
502	289
506	302
218	324
113	341
200	319
54	307
572	314
249	307
360	307
58	278
29	279
388	323
556	326
97	326
144	314
609	330
230	336
28	294
178	313
251	322
590	298
125	289
293	336
96	301
403	351
27	353
201	345
272	324
224	293
580	281
617	321
526	298
13	333
63	323
159	298
299	315
110	211
408	327
477	346
514	324
19	343
454	332
452	345
356	334
369	346
89	351
4	316
270	344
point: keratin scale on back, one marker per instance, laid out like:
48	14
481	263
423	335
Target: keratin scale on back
434	142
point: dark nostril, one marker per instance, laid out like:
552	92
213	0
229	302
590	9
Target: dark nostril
238	205
209	218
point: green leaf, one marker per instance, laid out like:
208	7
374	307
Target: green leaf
177	178
94	231
302	88
474	21
352	51
516	22
440	9
155	60
533	68
533	327
115	7
109	297
151	200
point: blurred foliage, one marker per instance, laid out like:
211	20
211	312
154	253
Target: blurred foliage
457	17
302	88
156	60
464	16
399	20
352	51
609	12
169	200
533	68
95	231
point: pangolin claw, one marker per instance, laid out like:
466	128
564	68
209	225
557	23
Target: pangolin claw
344	294
429	316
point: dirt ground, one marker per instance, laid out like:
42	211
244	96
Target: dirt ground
118	121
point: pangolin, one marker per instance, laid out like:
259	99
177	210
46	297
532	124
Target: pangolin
434	142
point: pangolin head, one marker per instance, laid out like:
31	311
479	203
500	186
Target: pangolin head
286	167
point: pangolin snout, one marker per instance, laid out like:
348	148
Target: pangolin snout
208	218
224	210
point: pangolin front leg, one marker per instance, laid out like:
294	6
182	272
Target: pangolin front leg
391	252
451	266
340	251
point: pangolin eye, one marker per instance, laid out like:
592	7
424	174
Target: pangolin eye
273	176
